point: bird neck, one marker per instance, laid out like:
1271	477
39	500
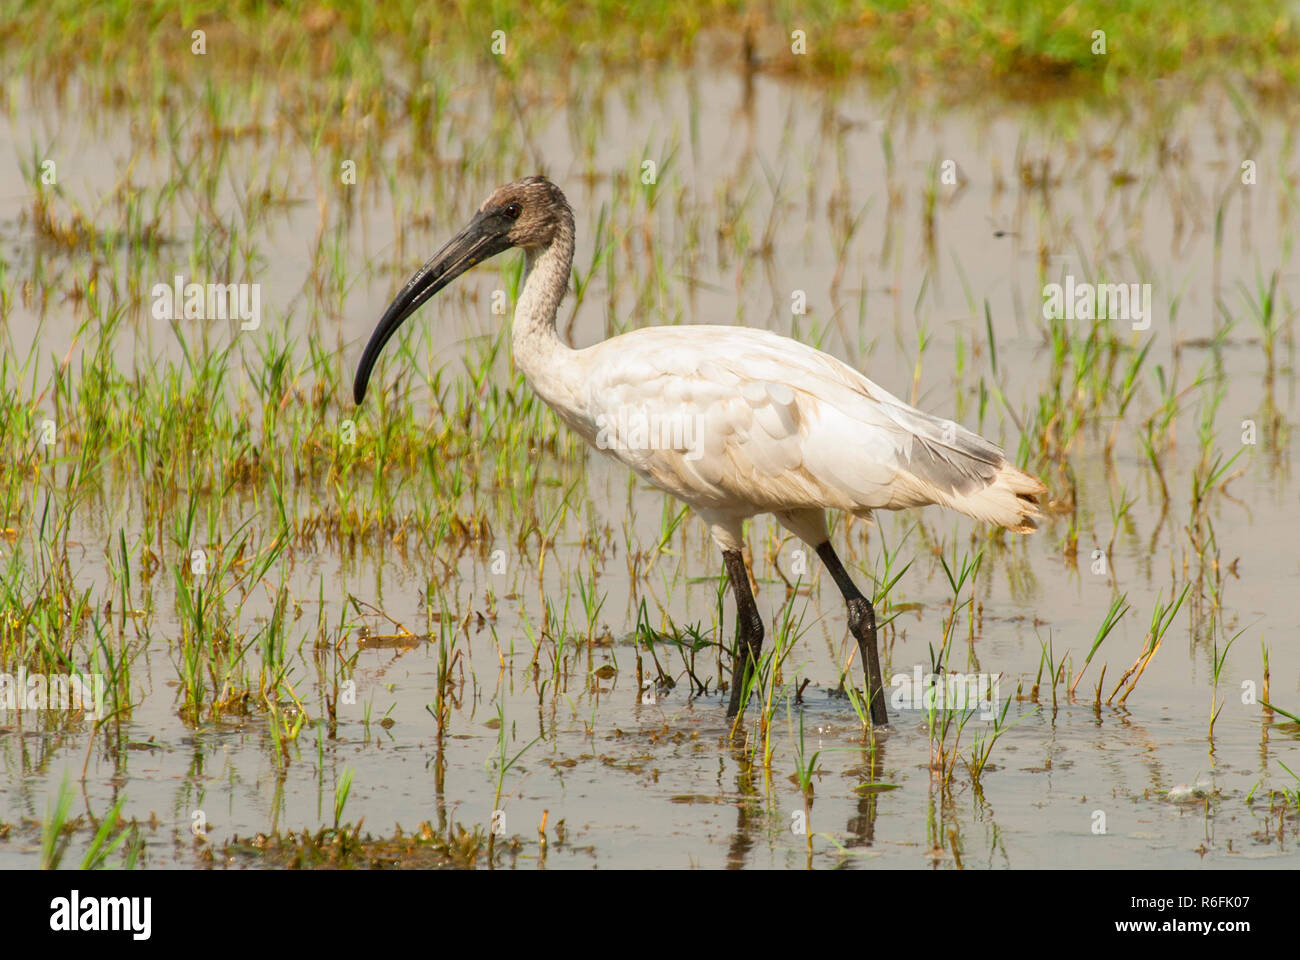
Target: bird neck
546	279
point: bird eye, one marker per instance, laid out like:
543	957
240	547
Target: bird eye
513	210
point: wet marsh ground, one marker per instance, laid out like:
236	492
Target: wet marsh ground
436	630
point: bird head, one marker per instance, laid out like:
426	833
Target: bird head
528	213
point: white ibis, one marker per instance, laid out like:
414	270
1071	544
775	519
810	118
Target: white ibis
732	421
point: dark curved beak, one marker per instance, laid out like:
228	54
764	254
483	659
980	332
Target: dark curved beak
483	238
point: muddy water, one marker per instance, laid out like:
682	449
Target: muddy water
756	187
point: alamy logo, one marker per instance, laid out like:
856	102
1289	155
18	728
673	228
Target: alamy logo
946	691
210	301
74	913
1098	301
37	691
635	429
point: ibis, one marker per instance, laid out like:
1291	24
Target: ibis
732	421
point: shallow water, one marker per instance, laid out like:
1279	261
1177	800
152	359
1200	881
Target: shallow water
754	193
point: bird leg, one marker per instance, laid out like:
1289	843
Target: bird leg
749	628
862	624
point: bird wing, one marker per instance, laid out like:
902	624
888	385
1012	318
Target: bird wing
768	422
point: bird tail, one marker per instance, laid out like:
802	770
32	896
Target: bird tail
1010	500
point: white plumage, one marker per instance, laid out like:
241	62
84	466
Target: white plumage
774	426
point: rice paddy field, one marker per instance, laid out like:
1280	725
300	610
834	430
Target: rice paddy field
436	630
